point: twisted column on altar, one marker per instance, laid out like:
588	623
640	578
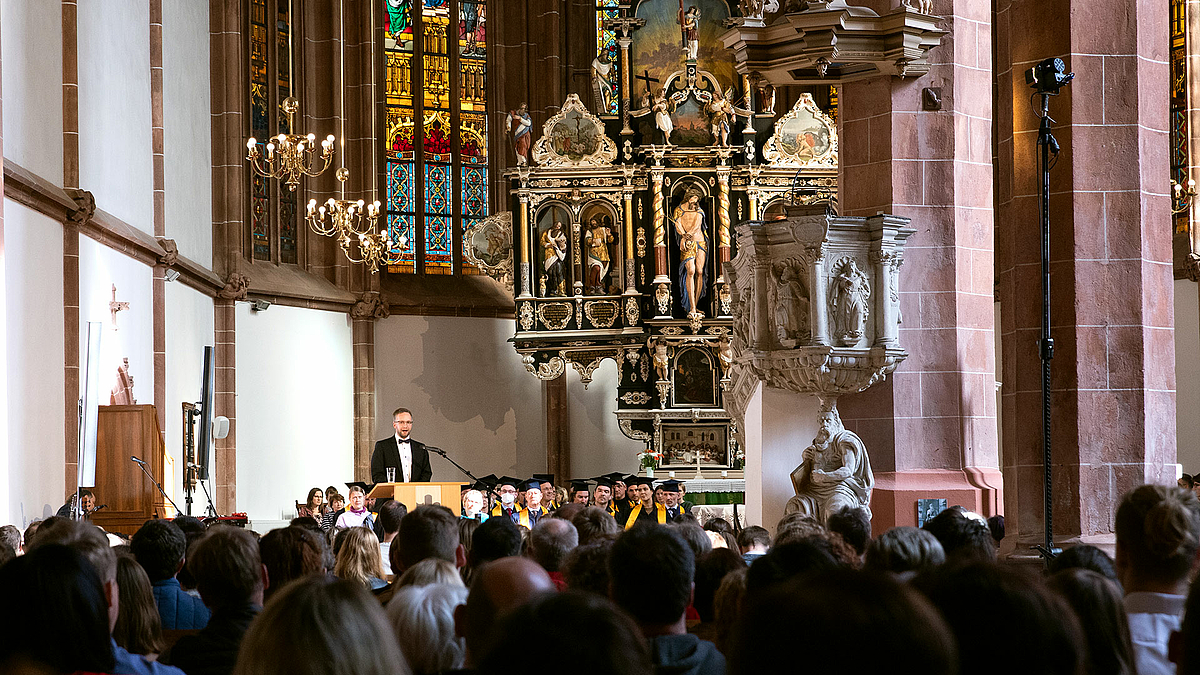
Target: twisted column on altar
662	280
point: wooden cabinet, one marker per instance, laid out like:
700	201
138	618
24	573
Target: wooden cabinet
132	499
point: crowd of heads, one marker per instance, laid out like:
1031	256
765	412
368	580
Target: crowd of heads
685	597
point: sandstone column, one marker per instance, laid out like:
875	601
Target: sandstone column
931	427
1112	314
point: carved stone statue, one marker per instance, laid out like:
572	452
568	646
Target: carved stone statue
834	471
725	353
720	115
520	125
554	256
848	294
790	306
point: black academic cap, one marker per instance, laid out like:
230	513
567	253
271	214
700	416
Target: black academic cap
670	485
544	478
615	476
509	480
579	486
634	479
365	487
603	480
484	484
532	484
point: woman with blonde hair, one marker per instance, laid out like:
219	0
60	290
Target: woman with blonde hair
431	571
321	626
358	559
1158	537
138	629
423	619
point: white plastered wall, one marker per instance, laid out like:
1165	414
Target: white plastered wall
32	462
100	268
32	52
1187	375
468	390
597	444
114	108
187	128
189	328
295	407
779	425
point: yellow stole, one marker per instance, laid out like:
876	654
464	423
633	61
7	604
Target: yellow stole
659	511
522	513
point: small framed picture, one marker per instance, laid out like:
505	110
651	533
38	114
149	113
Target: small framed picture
695	445
928	508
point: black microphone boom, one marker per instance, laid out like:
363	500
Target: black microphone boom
139	461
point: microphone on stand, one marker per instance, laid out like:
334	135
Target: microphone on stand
102	506
135	459
439	451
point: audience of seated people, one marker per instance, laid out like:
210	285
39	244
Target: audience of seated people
683	598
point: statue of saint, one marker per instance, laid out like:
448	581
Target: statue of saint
521	126
834	471
791	302
720	114
848	301
693	251
689	23
662	361
599	235
662	117
601	85
554	256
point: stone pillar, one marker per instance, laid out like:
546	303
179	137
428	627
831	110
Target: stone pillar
363	335
931	427
1113	376
224	460
70	85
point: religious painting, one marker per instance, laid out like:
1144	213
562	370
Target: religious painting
695	378
692	129
491	245
600	237
574	137
694	445
804	136
553	261
658	46
774	211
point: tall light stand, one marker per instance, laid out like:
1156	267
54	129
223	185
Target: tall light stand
1046	78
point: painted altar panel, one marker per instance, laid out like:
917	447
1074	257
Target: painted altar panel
658	48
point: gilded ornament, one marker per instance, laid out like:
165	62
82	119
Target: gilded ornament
555	315
635	398
632	315
601	313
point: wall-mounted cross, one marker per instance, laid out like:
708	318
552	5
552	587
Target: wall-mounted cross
115	306
645	77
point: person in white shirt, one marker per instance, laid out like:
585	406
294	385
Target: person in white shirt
356	514
1158	537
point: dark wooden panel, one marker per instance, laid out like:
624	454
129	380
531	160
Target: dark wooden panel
123	431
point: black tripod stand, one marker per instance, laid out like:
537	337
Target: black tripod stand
1046	78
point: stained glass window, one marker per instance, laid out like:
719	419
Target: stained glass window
1179	128
437	170
273	213
608	49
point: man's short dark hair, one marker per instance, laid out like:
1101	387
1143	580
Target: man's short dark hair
497	537
191	526
790	560
996	525
1084	556
753	536
593	523
6	552
291	553
853	523
430	531
962	537
586	569
227	567
390	515
397	411
551	541
694	535
652	569
159	546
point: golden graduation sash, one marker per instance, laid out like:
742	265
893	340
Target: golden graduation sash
659	511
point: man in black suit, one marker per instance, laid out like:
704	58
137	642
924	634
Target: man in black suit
409	458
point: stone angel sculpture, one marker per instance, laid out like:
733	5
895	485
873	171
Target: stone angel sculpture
849	291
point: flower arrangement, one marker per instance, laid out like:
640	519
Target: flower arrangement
649	459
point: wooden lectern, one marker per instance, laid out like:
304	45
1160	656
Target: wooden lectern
413	495
121	431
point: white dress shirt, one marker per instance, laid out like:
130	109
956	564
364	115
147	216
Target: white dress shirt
1152	619
405	446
